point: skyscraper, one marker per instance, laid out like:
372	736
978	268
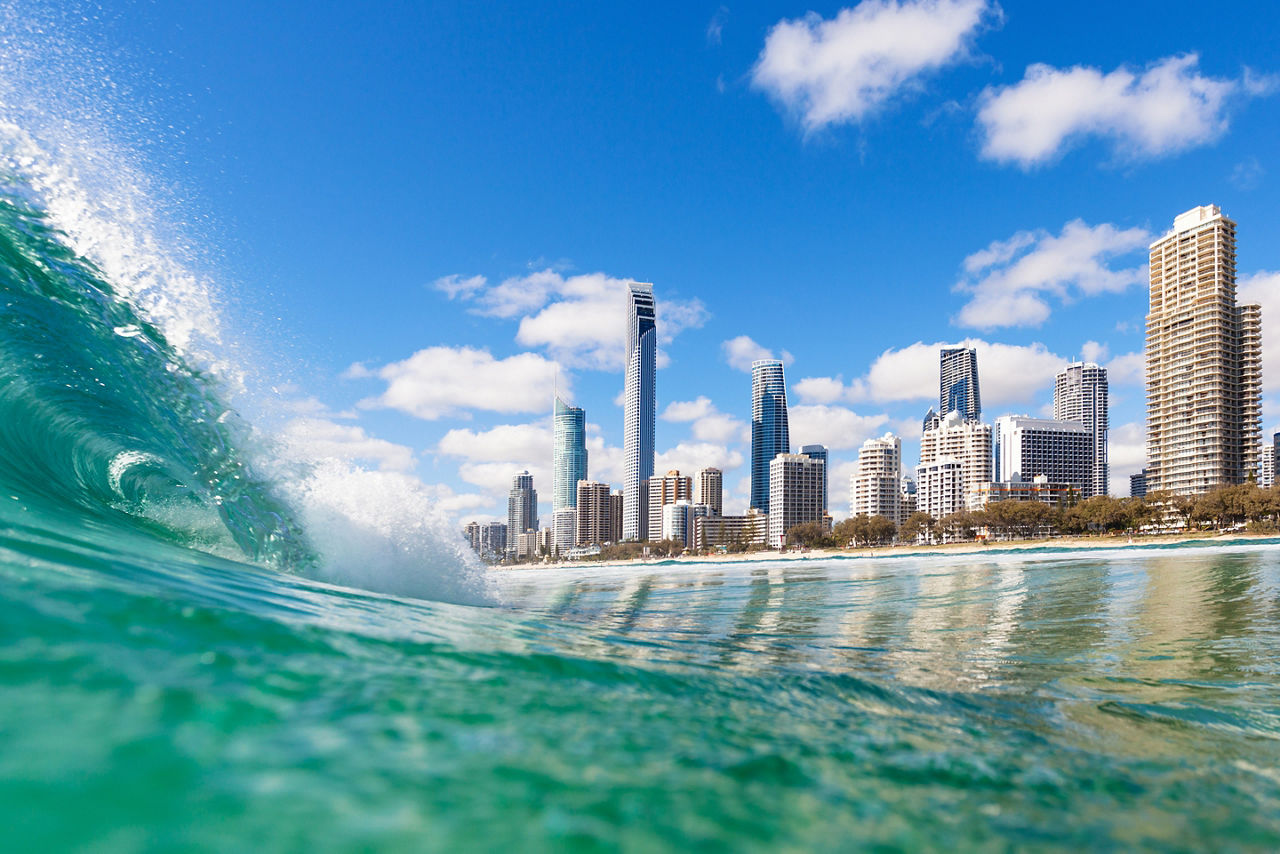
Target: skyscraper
1027	448
795	482
819	452
1204	360
639	410
594	525
522	509
953	440
1080	394
958	383
708	489
875	489
769	434
569	455
665	490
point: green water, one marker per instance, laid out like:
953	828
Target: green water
1102	701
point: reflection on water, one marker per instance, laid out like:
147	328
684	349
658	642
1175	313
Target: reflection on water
1095	647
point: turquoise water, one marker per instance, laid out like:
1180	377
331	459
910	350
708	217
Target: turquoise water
186	663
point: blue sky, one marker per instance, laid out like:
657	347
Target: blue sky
460	190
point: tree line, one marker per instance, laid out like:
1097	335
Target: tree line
1226	507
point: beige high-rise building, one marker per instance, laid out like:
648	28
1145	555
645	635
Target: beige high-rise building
1204	360
875	489
709	490
595	524
795	494
668	489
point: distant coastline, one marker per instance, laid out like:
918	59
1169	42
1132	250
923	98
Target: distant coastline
1039	545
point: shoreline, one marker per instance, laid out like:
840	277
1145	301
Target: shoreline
943	549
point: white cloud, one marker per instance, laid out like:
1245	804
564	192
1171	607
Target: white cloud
1009	280
820	390
444	381
740	352
708	423
690	457
1127	369
841	70
456	287
1263	288
1126	454
838	487
490	458
715	28
580	320
836	427
1168	107
316	439
1007	374
1092	351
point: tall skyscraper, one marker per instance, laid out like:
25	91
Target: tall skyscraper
1080	394
876	486
795	484
769	433
819	452
639	410
958	383
569	454
708	489
1204	360
522	509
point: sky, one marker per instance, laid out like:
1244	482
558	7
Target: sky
423	216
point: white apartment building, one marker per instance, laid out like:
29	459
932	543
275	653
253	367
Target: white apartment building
967	443
875	488
678	521
665	490
1266	465
1080	393
940	487
1027	448
795	494
1204	360
564	530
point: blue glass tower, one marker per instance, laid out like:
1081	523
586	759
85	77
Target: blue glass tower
639	411
958	389
569	457
769	433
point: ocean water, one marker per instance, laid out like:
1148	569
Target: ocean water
211	641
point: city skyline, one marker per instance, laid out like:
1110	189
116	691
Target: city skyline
1030	249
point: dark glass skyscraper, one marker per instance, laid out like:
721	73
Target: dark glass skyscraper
958	383
639	411
769	433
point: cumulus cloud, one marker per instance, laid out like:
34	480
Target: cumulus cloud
490	458
1263	288
1126	454
1007	374
837	427
315	439
580	320
841	70
1009	281
740	352
447	381
690	457
707	423
1166	108
1127	369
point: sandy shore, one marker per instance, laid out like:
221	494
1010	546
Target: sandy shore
1080	543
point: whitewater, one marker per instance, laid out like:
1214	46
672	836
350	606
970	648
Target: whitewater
211	640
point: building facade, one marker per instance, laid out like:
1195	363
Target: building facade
522	509
615	516
594	525
819	452
639	410
708	489
743	531
770	435
1138	484
1037	489
1080	393
795	487
1027	448
493	540
679	521
966	442
875	489
564	530
569	454
1204	360
668	489
958	389
1267	465
940	487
